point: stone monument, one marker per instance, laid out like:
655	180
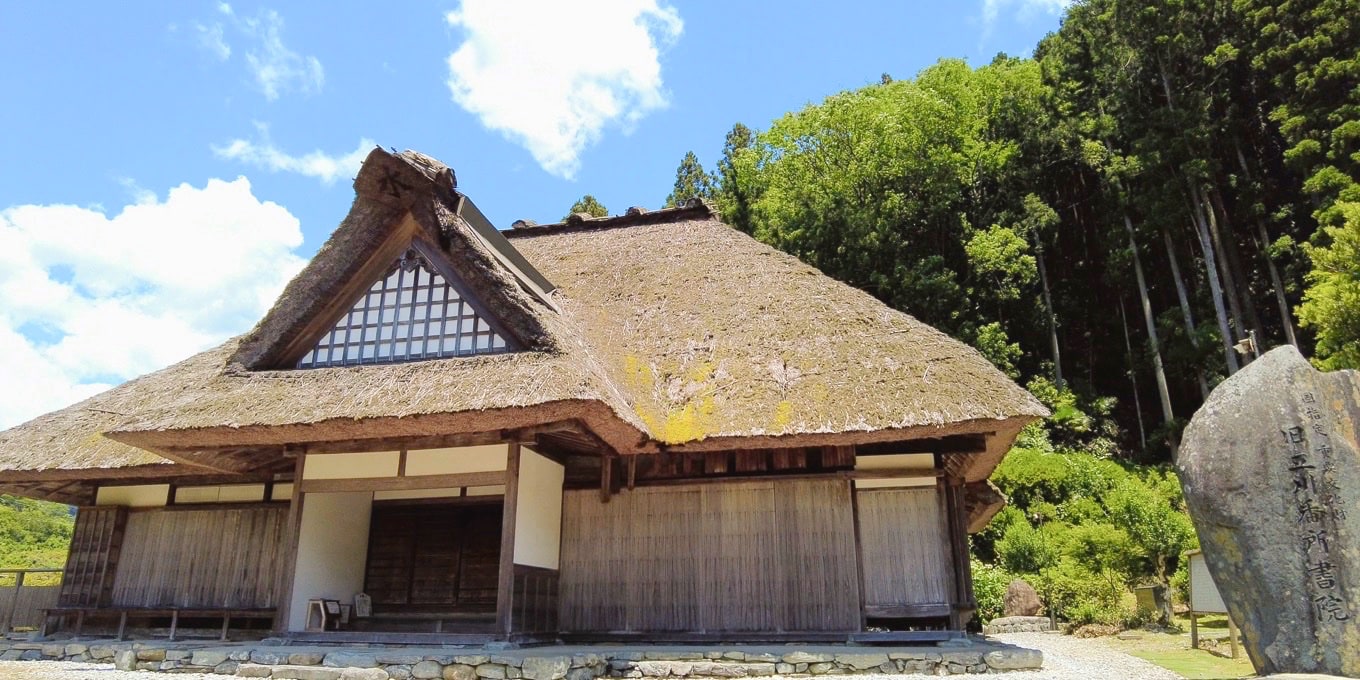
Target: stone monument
1270	466
1021	600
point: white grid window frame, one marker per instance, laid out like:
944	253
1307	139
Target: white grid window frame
412	313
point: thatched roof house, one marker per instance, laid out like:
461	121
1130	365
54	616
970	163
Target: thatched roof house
634	352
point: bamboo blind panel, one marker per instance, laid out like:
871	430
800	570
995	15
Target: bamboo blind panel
201	558
750	556
905	544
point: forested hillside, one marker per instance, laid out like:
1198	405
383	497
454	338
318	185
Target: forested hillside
33	533
1105	221
1112	222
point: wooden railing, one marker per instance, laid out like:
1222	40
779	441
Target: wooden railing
24	593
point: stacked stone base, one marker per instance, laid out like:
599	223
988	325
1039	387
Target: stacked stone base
1018	624
401	664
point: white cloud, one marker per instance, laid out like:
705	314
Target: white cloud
275	68
212	39
264	154
551	75
1024	10
89	299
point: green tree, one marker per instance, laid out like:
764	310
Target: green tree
1159	530
1331	305
589	206
691	181
733	198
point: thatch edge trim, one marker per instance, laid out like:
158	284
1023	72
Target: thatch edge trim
168	469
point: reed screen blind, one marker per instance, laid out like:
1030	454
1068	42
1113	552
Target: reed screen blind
412	313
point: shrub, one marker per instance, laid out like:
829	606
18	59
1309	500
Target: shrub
1071	590
1023	550
989	589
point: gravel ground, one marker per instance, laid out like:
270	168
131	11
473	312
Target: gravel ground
1069	658
66	670
1065	658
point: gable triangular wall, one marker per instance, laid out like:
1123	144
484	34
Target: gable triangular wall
412	312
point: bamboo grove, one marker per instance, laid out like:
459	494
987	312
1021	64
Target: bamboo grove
1114	221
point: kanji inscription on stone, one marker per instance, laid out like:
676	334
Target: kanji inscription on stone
1270	466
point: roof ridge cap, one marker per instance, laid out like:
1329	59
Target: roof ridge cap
694	208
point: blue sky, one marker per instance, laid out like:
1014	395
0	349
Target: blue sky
168	166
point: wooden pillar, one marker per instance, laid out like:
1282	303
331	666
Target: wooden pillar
963	605
859	555
287	568
505	587
606	476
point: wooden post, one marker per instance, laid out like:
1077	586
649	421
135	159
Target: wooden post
960	609
1232	636
859	555
505	587
288	565
1194	630
606	477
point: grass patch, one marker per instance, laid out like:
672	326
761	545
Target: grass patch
1196	664
1172	651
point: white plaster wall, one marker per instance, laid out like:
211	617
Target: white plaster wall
230	493
137	496
493	490
449	492
898	483
538	517
282	492
351	465
332	548
457	460
896	461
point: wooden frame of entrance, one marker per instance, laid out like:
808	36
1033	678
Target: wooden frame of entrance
406	482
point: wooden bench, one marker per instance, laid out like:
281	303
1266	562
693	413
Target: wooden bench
226	614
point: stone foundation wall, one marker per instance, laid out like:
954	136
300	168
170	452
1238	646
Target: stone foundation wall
1018	624
399	664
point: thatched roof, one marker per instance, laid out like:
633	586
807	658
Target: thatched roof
666	329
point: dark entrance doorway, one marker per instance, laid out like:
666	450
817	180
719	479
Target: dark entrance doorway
434	557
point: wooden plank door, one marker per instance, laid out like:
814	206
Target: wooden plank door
906	551
434	557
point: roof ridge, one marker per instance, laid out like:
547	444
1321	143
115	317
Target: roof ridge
694	208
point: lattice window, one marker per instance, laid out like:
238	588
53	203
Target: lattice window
412	313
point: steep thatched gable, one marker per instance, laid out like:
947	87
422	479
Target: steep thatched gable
399	199
655	330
